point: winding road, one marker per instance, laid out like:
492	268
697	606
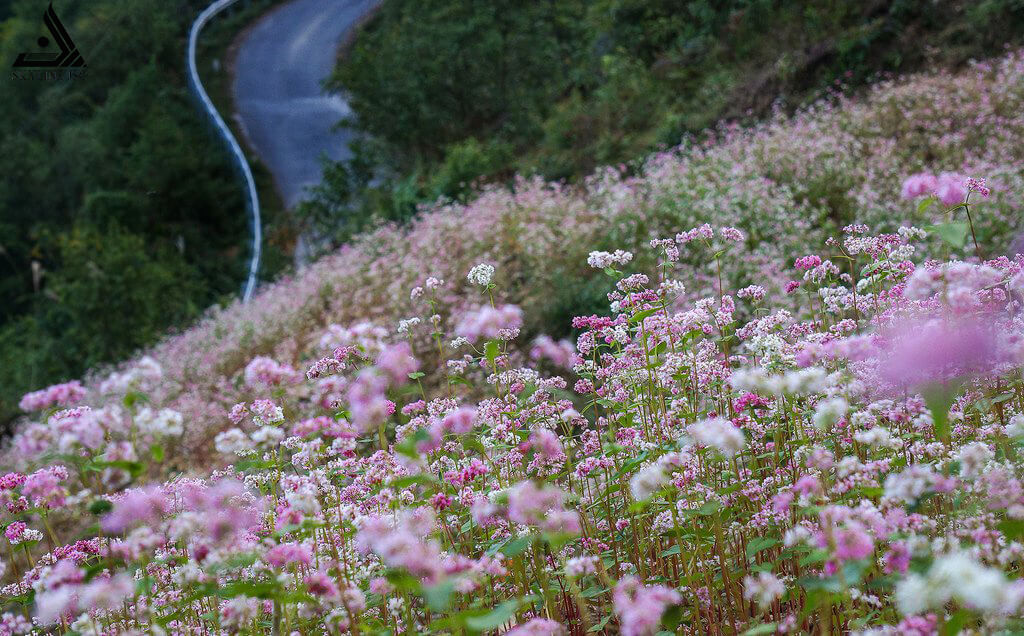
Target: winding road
281	63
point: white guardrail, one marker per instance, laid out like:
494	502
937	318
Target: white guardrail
241	164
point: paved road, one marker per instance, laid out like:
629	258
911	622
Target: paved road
281	105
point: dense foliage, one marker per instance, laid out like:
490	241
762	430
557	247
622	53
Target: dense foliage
718	465
119	215
484	90
793	401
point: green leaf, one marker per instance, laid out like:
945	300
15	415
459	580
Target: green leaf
491	351
954	233
758	630
100	506
439	596
758	544
956	623
672	617
404	581
600	624
925	204
516	546
132	468
1012	529
472	443
640	315
408	446
939	397
673	550
709	508
254	589
157	451
494	618
416	375
402	483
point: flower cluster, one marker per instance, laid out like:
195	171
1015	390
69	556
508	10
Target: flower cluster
761	431
713	469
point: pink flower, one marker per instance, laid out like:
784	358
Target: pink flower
978	185
15	530
807	262
491	322
441	501
853	543
918	185
897	559
546	443
951	188
560	353
288	554
807	485
782	501
731	234
321	584
541	507
238	412
267	412
380	586
403	545
397	362
640	607
43	486
263	371
459	421
64	394
538	627
703	232
367	403
138	505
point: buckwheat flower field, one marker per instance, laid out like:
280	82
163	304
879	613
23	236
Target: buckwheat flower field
797	408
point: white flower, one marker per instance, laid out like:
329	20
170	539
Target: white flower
955	576
164	422
653	476
405	325
268	435
763	589
973	458
912	595
579	566
601	260
719	433
1016	427
877	437
28	534
909	485
85	625
828	412
481	274
232	441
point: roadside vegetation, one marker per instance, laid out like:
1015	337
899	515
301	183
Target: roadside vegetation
120	217
480	92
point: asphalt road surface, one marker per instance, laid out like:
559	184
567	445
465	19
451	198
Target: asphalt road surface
283	110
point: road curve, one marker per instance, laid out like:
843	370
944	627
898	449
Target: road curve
278	73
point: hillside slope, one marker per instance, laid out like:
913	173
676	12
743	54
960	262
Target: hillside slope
775	418
787	184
